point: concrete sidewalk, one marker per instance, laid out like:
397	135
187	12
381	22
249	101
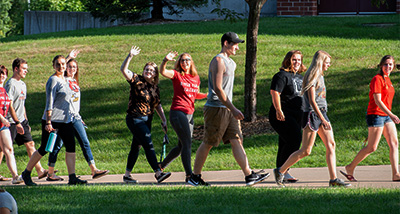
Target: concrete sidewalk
367	176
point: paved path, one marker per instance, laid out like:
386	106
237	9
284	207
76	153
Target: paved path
367	176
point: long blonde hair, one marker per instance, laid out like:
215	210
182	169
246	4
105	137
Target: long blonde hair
178	67
315	71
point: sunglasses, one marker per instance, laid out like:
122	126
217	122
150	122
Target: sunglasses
186	60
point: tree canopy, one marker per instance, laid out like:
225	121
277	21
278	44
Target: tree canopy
132	9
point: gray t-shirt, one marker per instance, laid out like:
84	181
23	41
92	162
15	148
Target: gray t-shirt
320	97
8	201
227	82
58	98
16	90
75	97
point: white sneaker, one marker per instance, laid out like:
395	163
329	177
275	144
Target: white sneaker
18	180
288	178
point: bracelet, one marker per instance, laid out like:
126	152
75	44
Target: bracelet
165	60
17	122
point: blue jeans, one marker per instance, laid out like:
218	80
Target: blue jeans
80	134
140	128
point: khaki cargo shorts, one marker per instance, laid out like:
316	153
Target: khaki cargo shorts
220	124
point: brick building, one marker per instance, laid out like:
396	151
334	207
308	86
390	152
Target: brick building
333	7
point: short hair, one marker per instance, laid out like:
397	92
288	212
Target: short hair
18	62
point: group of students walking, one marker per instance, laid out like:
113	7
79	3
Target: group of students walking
298	113
221	117
61	114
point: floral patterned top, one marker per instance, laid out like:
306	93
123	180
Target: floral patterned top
143	97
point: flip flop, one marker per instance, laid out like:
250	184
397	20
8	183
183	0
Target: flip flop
2	178
54	179
349	177
44	174
100	173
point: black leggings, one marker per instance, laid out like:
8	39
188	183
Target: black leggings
64	130
183	126
290	134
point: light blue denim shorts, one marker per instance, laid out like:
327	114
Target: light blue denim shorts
3	128
374	120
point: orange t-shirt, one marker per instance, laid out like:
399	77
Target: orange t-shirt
384	87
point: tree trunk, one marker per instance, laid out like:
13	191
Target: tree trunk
250	85
157	12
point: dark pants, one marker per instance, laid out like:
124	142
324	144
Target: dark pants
141	130
65	131
80	134
183	126
290	134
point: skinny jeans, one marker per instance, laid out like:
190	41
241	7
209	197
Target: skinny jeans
289	132
80	134
183	124
140	128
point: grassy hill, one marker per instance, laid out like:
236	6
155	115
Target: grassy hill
356	50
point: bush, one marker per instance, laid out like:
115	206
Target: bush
5	6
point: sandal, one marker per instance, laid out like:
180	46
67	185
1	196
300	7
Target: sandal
2	178
349	177
100	173
55	178
44	174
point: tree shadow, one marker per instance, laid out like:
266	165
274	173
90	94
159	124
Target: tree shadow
353	27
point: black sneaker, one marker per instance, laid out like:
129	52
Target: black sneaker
337	182
279	177
255	178
27	179
76	181
129	180
196	180
162	176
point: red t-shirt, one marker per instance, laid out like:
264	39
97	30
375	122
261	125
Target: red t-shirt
4	103
380	86
186	88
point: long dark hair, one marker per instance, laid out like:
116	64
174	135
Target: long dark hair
76	76
383	60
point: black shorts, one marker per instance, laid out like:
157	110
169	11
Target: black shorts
21	139
312	120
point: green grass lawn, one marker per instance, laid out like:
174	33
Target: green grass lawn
152	199
355	48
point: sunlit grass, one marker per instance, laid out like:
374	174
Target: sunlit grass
356	50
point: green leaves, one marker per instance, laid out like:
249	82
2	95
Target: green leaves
5	5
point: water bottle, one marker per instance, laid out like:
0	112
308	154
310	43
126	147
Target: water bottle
51	141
